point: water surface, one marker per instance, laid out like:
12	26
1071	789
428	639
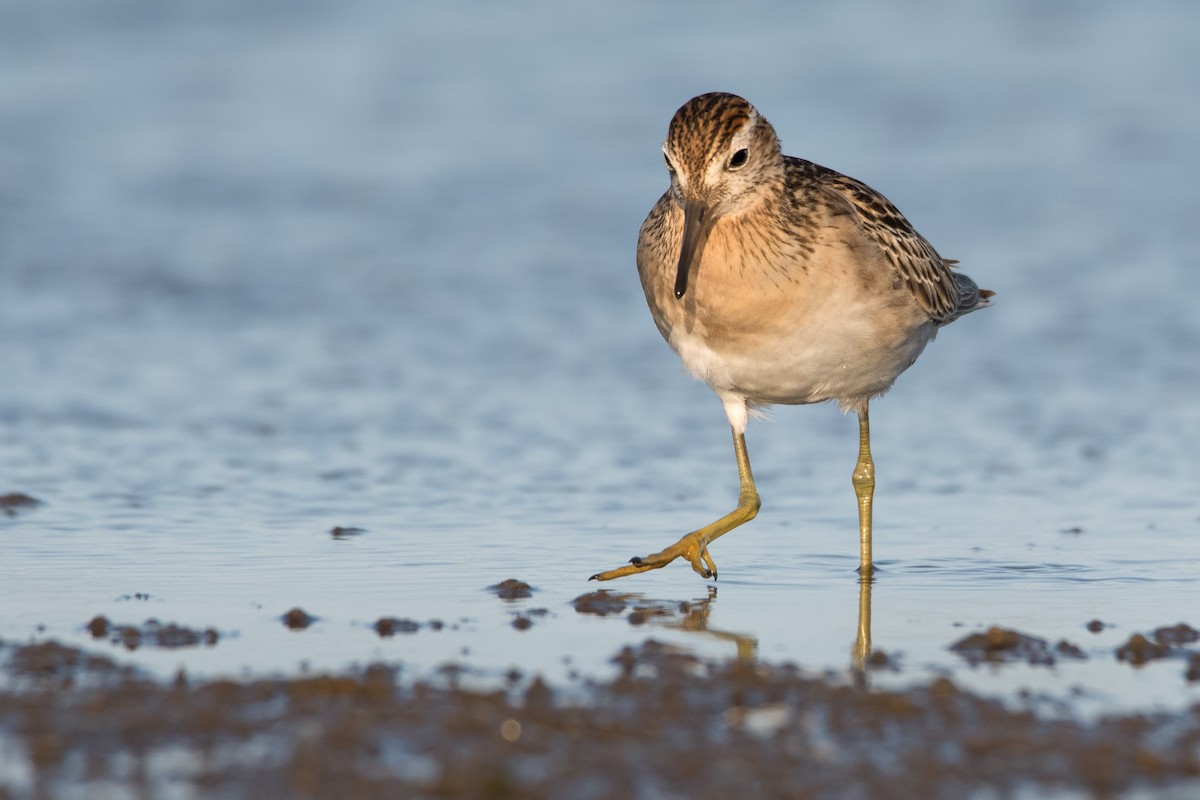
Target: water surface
271	269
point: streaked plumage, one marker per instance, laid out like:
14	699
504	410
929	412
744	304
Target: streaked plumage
777	280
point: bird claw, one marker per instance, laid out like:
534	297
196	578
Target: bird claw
690	547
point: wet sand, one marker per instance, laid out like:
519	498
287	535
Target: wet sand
670	724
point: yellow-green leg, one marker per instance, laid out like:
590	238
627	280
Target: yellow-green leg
864	489
694	546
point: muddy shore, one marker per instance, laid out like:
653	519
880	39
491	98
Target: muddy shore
75	723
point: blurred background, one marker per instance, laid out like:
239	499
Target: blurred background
271	267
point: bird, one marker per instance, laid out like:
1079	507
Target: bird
780	281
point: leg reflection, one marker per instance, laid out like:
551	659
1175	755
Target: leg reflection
862	644
695	618
690	615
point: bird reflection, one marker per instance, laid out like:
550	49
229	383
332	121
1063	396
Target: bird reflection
696	619
693	616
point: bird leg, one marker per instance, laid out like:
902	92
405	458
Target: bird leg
694	546
864	489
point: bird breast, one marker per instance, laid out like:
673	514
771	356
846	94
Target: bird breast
782	319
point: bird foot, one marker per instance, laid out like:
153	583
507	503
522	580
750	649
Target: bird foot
693	547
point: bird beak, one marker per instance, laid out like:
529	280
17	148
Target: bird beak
697	222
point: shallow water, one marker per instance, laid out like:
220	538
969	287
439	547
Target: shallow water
270	271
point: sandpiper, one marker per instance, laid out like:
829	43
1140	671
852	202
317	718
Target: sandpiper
777	280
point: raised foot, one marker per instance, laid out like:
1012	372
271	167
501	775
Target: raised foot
693	547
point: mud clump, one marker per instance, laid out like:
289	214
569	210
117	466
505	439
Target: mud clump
1176	635
98	626
151	633
390	626
15	502
680	614
50	660
524	621
1000	645
601	602
1165	642
881	660
339	532
1139	650
1066	649
685	726
511	589
297	619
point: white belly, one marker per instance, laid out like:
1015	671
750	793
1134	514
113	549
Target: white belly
825	358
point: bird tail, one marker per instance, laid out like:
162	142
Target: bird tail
970	296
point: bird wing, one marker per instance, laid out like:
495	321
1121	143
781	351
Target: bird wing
927	275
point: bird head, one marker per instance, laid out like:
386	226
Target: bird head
725	160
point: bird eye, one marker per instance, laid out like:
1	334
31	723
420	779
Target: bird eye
739	158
